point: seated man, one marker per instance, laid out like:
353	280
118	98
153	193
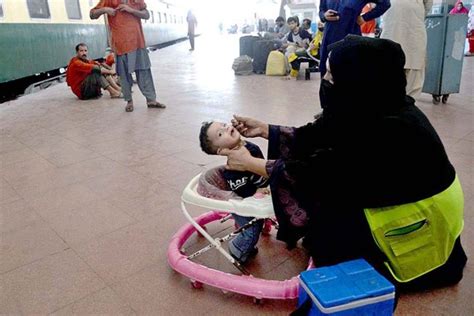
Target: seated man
310	54
306	25
86	77
281	28
297	39
281	31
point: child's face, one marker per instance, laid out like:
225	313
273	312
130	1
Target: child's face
223	135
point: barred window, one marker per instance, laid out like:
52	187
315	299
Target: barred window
152	15
73	9
159	17
38	9
166	18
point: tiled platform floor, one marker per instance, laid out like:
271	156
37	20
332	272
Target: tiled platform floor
90	194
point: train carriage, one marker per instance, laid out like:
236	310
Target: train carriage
37	37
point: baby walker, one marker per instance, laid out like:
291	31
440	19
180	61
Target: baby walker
221	203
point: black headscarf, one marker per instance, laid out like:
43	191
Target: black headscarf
369	79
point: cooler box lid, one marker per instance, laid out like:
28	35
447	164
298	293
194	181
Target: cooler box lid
345	282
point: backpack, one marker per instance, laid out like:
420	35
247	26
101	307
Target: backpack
276	64
243	65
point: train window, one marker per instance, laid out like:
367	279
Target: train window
159	17
152	15
1	8
38	9
166	18
73	9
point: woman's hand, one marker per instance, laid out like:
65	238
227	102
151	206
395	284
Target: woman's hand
238	159
250	127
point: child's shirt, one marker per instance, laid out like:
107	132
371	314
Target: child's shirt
245	183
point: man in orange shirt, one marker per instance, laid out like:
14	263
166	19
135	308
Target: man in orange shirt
86	77
128	43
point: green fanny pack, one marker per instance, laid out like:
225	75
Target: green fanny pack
418	237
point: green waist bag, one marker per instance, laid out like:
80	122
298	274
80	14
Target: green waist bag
418	237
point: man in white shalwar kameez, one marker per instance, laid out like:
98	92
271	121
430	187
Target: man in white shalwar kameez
404	23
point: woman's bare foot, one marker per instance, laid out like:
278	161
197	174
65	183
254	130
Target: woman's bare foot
129	107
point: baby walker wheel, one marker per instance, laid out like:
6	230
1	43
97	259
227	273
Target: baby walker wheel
444	99
436	99
196	284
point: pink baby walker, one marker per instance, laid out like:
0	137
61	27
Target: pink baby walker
209	190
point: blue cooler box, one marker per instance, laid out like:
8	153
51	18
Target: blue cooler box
349	288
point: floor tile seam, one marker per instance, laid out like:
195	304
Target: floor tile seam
36	260
3	165
288	258
78	300
124	209
16	192
127	165
82	243
75	182
50	224
8	202
115	281
28	224
55	164
71	210
50	162
34	210
112	152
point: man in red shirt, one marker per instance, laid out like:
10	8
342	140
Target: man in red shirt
128	42
86	77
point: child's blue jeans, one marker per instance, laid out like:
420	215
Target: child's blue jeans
244	243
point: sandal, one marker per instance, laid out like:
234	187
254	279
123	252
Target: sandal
129	107
156	105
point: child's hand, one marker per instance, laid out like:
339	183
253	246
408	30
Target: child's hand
265	191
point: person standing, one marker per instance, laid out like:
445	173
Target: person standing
192	23
404	23
128	42
342	18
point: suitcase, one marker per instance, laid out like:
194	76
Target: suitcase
261	50
246	45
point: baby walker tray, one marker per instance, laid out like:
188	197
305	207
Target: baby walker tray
207	190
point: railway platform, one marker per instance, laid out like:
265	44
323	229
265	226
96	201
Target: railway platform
90	194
